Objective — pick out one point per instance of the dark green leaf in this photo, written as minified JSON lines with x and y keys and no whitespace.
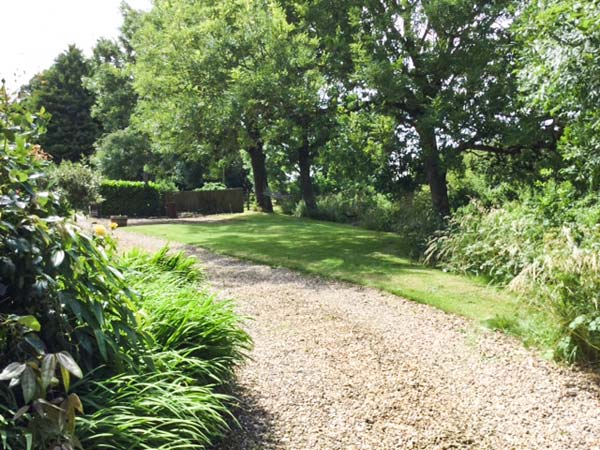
{"x":48,"y":369}
{"x":28,"y":384}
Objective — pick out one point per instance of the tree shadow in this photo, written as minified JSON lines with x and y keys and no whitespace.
{"x":254,"y":428}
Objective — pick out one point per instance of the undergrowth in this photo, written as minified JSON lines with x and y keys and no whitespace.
{"x":543,"y":246}
{"x":176,"y":399}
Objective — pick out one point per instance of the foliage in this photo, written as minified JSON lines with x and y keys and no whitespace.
{"x":495,"y":242}
{"x":542,"y":245}
{"x":565,"y":280}
{"x":212,"y":186}
{"x":110,"y":81}
{"x":154,"y":349}
{"x":123,"y":154}
{"x":71,"y":130}
{"x":131,"y":198}
{"x":196,"y":343}
{"x":165,"y":410}
{"x":441,"y":70}
{"x":78,"y":183}
{"x":226,"y":82}
{"x":559,"y":42}
{"x":182,"y":320}
{"x":59,"y":296}
{"x":48,"y":413}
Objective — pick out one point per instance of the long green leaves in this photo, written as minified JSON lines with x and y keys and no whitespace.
{"x":164,"y":411}
{"x":174,"y":402}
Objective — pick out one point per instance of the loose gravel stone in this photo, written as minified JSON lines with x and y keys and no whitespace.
{"x":337,"y":366}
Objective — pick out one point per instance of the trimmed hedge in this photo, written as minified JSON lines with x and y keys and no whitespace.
{"x":131,"y":198}
{"x":208,"y":202}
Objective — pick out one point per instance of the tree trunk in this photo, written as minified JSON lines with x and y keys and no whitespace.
{"x":436,"y":174}
{"x":306,"y":186}
{"x":261,"y":185}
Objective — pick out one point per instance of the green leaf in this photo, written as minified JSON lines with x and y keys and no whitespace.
{"x":28,"y":384}
{"x":67,"y":361}
{"x":30,"y":322}
{"x":13,"y":370}
{"x":48,"y":369}
{"x":65,"y":377}
{"x":101,"y":343}
{"x":35,"y":342}
{"x":57,"y":258}
{"x":22,"y":410}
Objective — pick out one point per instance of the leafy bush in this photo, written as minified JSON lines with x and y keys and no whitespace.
{"x":131,"y":198}
{"x":211,"y":186}
{"x":78,"y":182}
{"x":61,"y":300}
{"x":412,"y":216}
{"x":122,"y":154}
{"x":288,"y":205}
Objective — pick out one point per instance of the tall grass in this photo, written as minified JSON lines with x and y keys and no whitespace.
{"x":176,"y":400}
{"x":164,"y":410}
{"x":496,"y":243}
{"x":565,"y":281}
{"x":544,"y":247}
{"x":188,"y":325}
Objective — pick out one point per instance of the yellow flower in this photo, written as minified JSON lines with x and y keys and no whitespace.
{"x":113,"y":226}
{"x":100,"y":230}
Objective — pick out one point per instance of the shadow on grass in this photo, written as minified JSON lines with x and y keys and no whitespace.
{"x":254,"y":429}
{"x":343,"y":252}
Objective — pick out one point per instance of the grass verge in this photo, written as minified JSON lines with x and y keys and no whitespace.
{"x":365,"y":257}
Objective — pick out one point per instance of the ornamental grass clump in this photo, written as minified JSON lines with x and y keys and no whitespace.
{"x":565,"y":281}
{"x":178,"y":399}
{"x":183,"y":319}
{"x":545,"y":247}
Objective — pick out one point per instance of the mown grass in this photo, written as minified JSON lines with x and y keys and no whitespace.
{"x":348,"y":253}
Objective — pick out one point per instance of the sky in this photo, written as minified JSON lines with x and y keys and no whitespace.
{"x":34,"y":32}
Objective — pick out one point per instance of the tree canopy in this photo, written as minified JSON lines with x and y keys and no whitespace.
{"x":72,"y":130}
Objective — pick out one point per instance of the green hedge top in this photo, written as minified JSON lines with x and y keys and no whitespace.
{"x":131,"y":198}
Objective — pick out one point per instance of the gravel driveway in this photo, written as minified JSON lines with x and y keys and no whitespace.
{"x":336,"y":366}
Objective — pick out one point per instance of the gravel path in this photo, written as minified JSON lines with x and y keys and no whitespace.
{"x":336,"y":366}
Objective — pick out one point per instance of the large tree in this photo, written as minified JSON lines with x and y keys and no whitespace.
{"x":123,"y":151}
{"x":71,"y":130}
{"x":216,"y":77}
{"x":443,"y":70}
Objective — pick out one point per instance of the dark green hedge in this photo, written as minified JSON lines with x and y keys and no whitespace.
{"x":131,"y":198}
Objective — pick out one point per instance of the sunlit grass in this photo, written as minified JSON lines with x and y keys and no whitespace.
{"x":342,"y":252}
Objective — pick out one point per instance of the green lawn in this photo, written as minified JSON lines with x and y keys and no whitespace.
{"x":347,"y":253}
